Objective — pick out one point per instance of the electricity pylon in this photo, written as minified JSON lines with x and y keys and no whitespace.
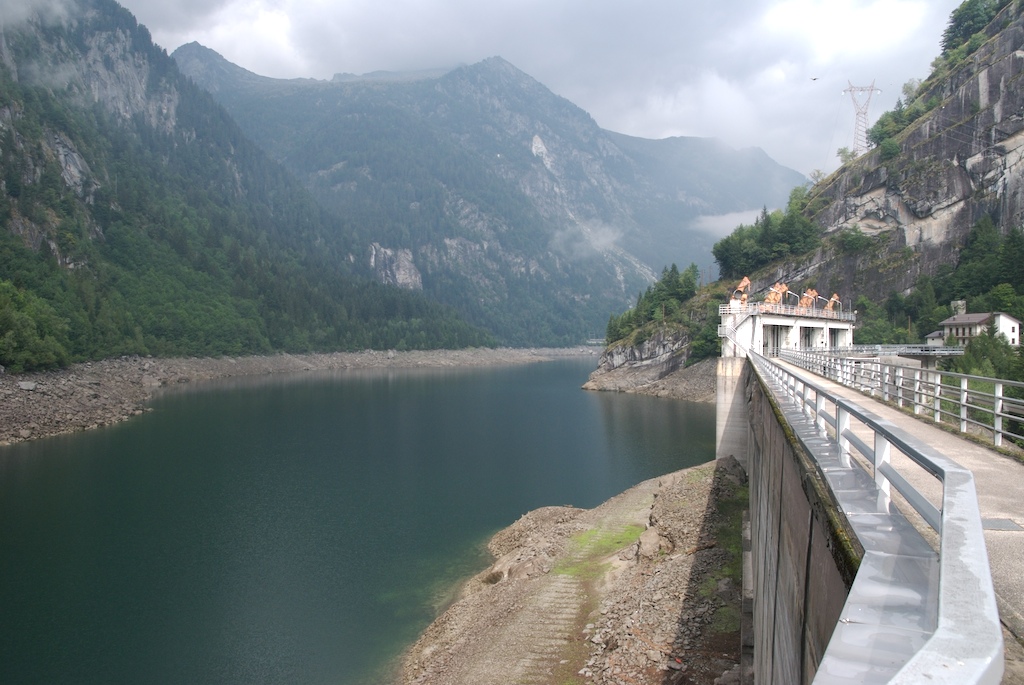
{"x":860,"y":123}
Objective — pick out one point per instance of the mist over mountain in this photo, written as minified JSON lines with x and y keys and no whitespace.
{"x":490,"y":192}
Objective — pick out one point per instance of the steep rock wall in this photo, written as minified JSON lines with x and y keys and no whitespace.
{"x":957,"y":163}
{"x":626,"y":367}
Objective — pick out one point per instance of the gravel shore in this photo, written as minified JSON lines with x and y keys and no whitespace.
{"x":642,"y":589}
{"x":93,"y":394}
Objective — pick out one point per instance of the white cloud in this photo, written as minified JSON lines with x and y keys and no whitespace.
{"x":835,"y":29}
{"x":721,"y":225}
{"x":741,"y":71}
{"x":15,"y":11}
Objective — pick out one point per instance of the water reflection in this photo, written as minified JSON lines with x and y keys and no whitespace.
{"x":297,"y":529}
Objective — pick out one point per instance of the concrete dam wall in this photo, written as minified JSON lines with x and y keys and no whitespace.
{"x":804,"y":557}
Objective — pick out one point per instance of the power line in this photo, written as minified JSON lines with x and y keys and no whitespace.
{"x":860,"y":124}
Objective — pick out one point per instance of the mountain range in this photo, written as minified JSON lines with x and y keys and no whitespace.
{"x":185,"y":206}
{"x":487,"y":188}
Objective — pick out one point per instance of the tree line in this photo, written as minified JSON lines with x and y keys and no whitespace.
{"x":772,"y":236}
{"x":669,"y":303}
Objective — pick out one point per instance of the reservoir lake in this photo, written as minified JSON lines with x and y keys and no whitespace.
{"x":299,"y":529}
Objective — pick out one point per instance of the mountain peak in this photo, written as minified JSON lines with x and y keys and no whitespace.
{"x":501,"y":68}
{"x":213,"y":70}
{"x":209,"y":66}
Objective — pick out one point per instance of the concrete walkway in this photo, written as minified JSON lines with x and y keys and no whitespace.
{"x":999,"y":481}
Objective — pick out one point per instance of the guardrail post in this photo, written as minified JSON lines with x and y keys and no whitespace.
{"x":819,"y":408}
{"x":899,"y":386}
{"x":843,"y":425}
{"x":916,"y":392}
{"x":882,"y":456}
{"x":997,"y":415}
{"x":963,"y":405}
{"x":937,"y":397}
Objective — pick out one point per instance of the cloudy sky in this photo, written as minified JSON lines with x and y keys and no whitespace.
{"x":766,"y":73}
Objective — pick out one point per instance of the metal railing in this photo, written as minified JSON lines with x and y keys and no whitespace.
{"x":966,"y":645}
{"x":736,"y":307}
{"x":974,"y":404}
{"x":897,"y":350}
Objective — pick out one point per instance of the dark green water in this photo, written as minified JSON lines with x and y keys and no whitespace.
{"x":299,"y":530}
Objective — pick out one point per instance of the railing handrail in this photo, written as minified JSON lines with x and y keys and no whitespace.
{"x":897,"y":350}
{"x":966,"y":646}
{"x":926,"y":391}
{"x":736,"y":307}
{"x":954,"y":374}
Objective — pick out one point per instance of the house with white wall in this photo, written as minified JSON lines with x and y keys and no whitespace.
{"x":963,"y":327}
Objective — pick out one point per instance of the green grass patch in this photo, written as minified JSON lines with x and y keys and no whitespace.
{"x":594,"y":545}
{"x":586,"y":569}
{"x":726,"y":620}
{"x":604,"y":542}
{"x":698,"y":474}
{"x":708,"y":586}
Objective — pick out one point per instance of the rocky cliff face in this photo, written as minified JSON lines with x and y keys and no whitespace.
{"x":629,"y":367}
{"x":395,"y":267}
{"x":957,"y":163}
{"x":95,"y":59}
{"x":107,"y":66}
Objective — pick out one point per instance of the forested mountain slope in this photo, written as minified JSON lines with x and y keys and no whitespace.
{"x":135,"y":217}
{"x":491,"y":193}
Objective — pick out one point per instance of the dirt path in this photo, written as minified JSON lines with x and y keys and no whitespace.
{"x":642,"y":589}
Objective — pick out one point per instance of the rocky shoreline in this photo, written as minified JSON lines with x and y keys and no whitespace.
{"x":696,"y":383}
{"x":645,"y":588}
{"x":93,"y":394}
{"x":101,"y":393}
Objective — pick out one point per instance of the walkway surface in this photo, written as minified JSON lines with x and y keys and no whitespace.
{"x":999,"y":481}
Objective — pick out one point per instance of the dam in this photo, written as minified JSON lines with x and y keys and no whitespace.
{"x":868,"y":555}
